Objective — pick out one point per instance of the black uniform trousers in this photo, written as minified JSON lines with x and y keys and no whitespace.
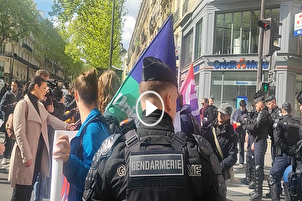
{"x":250,"y":160}
{"x":241,"y":140}
{"x":259,"y":152}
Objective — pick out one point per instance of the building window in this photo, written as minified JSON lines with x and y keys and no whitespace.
{"x":198,"y":39}
{"x":187,"y":48}
{"x":3,"y":49}
{"x":237,"y":33}
{"x":219,"y":33}
{"x":227,"y":86}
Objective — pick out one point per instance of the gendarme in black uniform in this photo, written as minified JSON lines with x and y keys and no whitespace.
{"x":201,"y":178}
{"x":260,"y":128}
{"x":275,"y":114}
{"x":286,"y":135}
{"x":154,"y":163}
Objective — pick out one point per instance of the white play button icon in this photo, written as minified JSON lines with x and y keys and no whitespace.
{"x":150,"y":108}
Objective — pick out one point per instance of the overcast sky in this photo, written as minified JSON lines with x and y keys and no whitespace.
{"x":131,"y":6}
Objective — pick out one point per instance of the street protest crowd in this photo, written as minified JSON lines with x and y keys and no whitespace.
{"x":117,"y":158}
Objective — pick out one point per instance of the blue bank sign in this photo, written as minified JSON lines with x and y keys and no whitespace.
{"x":241,"y":64}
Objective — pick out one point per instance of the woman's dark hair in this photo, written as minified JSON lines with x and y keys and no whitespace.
{"x":242,"y":103}
{"x":30,"y":85}
{"x":87,"y":86}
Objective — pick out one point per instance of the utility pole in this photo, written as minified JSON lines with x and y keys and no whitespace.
{"x":260,"y":46}
{"x":111,"y":40}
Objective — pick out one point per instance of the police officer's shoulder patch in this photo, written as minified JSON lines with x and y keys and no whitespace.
{"x":105,"y":149}
{"x":121,"y":170}
{"x":203,"y":145}
{"x":275,"y":124}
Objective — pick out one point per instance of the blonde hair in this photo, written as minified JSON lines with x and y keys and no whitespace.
{"x":108,"y":85}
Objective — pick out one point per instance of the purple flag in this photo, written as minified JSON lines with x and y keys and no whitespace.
{"x":162,"y":47}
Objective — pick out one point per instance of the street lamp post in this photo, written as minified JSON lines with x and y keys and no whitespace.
{"x":111,"y":39}
{"x":12,"y":66}
{"x":27,"y":74}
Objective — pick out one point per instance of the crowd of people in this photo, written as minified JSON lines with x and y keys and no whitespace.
{"x":110,"y":160}
{"x":41,"y":106}
{"x":265,"y":120}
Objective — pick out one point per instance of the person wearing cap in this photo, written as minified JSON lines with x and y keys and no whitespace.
{"x":140,"y":165}
{"x":223,"y":139}
{"x":275,"y":114}
{"x":286,"y":135}
{"x":237,"y":119}
{"x":260,"y":128}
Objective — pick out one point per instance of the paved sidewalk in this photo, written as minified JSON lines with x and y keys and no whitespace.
{"x":240,"y":192}
{"x":5,"y":188}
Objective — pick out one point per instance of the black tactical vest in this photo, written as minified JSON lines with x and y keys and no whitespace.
{"x":156,"y":166}
{"x":292,"y":127}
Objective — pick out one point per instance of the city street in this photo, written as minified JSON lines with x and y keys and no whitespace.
{"x":235,"y":191}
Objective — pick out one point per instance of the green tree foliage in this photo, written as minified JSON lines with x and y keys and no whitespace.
{"x":86,"y":26}
{"x":17,"y":19}
{"x":49,"y":46}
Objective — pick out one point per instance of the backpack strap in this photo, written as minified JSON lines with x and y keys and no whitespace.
{"x":217,"y":143}
{"x":132,"y":140}
{"x":179,"y":140}
{"x":97,"y":118}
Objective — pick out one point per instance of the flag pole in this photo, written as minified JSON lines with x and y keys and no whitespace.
{"x":111,"y":39}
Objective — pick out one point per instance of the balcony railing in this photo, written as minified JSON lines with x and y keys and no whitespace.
{"x":26,"y":63}
{"x":21,"y":60}
{"x":24,"y":45}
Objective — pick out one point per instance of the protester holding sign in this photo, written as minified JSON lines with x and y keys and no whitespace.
{"x":77,"y":155}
